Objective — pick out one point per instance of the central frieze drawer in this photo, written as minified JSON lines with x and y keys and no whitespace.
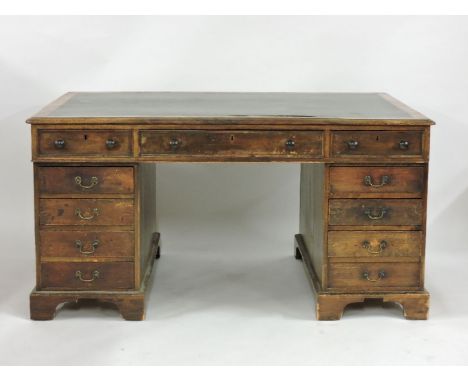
{"x":376,"y":212}
{"x":303,"y":144}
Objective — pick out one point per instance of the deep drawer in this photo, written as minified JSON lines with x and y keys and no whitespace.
{"x":380,"y":244}
{"x":303,"y":144}
{"x":110,"y":143}
{"x":373,"y":276}
{"x":376,"y":212}
{"x":376,"y":143}
{"x":87,"y":276}
{"x":86,"y":244}
{"x":370,"y":180}
{"x":86,"y":212}
{"x":85,"y":180}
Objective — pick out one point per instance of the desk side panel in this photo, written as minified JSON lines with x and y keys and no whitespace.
{"x":312,"y":220}
{"x":148,"y":220}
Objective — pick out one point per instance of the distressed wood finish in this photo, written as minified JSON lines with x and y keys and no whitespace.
{"x":85,"y":143}
{"x":93,"y":275}
{"x":374,"y":244}
{"x":89,"y":245}
{"x":94,"y":212}
{"x":86,"y":180}
{"x":298,"y":144}
{"x":363,"y":190}
{"x":375,"y":181}
{"x":377,"y":143}
{"x":373,"y":276}
{"x":376,"y":212}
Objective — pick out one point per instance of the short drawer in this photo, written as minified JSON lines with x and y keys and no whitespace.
{"x":376,"y":212}
{"x":111,"y":143}
{"x":87,"y":276}
{"x":86,"y":244}
{"x":369,"y":181}
{"x":376,"y":143}
{"x":85,"y":180}
{"x":303,"y":144}
{"x":379,"y":244}
{"x":86,"y":212}
{"x":373,"y":276}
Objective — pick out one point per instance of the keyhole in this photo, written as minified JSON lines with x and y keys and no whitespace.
{"x":232,"y":138}
{"x":85,"y":137}
{"x":377,"y":138}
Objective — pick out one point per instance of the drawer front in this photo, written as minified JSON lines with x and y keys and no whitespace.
{"x":304,"y":144}
{"x":373,"y":276}
{"x":380,"y":244}
{"x":92,"y":212}
{"x":376,"y":212}
{"x":85,"y":180}
{"x":109,"y":143}
{"x":86,"y":244}
{"x":87,"y":276}
{"x":376,"y":143}
{"x":351,"y":181}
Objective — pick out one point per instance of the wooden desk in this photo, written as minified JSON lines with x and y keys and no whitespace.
{"x":364,"y":165}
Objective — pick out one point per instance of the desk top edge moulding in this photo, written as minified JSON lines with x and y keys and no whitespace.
{"x":363,"y":195}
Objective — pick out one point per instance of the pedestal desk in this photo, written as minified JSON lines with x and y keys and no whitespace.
{"x":364,"y":169}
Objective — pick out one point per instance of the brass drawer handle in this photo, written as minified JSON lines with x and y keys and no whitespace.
{"x":94,"y":213}
{"x":290,"y":144}
{"x":111,"y":143}
{"x":93,"y":181}
{"x":79,"y":276}
{"x":94,"y":245}
{"x":367,"y":245}
{"x":375,"y":213}
{"x":59,"y":143}
{"x":381,"y":275}
{"x":174,"y":143}
{"x":368,"y":181}
{"x":404,"y":145}
{"x":352,"y":145}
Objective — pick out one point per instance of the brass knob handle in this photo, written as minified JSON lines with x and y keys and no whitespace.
{"x":59,"y":143}
{"x":352,"y":145}
{"x":367,"y":245}
{"x":94,"y":213}
{"x":93,"y":181}
{"x":79,"y":275}
{"x":381,"y":275}
{"x":404,"y":145}
{"x":290,"y":144}
{"x":375,"y":213}
{"x":368,"y":181}
{"x":174,"y":143}
{"x":111,"y":143}
{"x":94,"y":245}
